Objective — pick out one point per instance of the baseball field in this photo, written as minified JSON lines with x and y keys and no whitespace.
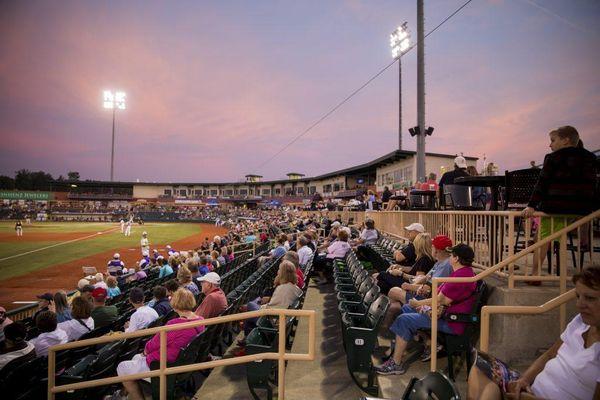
{"x":50,"y":255}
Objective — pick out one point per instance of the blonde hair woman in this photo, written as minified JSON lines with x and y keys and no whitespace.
{"x":183,"y":302}
{"x":395,"y":277}
{"x":424,"y":261}
{"x":184,"y":276}
{"x":423,"y":246}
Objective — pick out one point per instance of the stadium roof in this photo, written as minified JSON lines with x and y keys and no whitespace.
{"x":365,"y":168}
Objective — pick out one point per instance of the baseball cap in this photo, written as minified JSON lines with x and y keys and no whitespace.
{"x":2,"y":309}
{"x":46,"y":296}
{"x":415,"y":226}
{"x":335,"y":223}
{"x":144,"y":233}
{"x":441,"y":242}
{"x":460,"y":162}
{"x":82,"y":282}
{"x":116,"y":255}
{"x":99,"y":293}
{"x":464,"y":252}
{"x":211,"y":277}
{"x":136,"y":295}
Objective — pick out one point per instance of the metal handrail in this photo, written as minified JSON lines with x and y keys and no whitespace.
{"x":281,"y":356}
{"x":562,"y":234}
{"x":486,"y":311}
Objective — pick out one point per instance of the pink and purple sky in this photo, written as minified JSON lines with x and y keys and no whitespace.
{"x":216,"y":88}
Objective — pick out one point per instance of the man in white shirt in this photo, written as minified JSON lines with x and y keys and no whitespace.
{"x":304,"y":252}
{"x":128,"y":226}
{"x":50,"y":334}
{"x":145,"y":244}
{"x":143,"y":315}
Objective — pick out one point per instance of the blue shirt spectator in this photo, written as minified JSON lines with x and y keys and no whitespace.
{"x":165,"y":270}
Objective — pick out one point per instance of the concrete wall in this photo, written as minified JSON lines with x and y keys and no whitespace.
{"x":407,"y":169}
{"x":341,"y":180}
{"x":519,"y":339}
{"x":149,"y":192}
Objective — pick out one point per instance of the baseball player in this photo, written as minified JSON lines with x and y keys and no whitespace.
{"x":19,"y":228}
{"x":115,"y":266}
{"x":145,"y":244}
{"x":128,"y":226}
{"x":122,"y":222}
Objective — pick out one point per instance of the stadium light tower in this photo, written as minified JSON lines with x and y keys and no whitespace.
{"x":113,"y":101}
{"x":400,"y":43}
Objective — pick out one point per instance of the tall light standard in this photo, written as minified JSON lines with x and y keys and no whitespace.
{"x":400,"y":43}
{"x":113,"y":101}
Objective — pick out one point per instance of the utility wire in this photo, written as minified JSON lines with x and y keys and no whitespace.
{"x":356,"y":91}
{"x":567,"y":21}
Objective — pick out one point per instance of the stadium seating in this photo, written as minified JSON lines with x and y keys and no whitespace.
{"x":381,"y":253}
{"x":463,"y":344}
{"x":362,"y":310}
{"x":265,"y":338}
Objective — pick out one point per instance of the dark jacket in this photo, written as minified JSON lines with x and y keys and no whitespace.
{"x":567,"y":183}
{"x":162,"y":307}
{"x":448,"y":179}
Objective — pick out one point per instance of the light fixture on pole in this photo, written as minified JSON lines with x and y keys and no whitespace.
{"x":113,"y":101}
{"x":400,"y":43}
{"x":416,"y":131}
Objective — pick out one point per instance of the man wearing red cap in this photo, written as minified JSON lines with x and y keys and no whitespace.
{"x":420,"y":286}
{"x":102,"y":314}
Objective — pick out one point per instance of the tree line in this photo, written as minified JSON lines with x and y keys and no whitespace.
{"x":25,"y":179}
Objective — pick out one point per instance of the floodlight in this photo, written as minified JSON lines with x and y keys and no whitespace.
{"x":429,"y":131}
{"x":400,"y":40}
{"x":114,"y":100}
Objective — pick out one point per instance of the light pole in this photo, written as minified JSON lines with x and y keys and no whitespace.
{"x":113,"y":101}
{"x":421,"y":90}
{"x":400,"y":43}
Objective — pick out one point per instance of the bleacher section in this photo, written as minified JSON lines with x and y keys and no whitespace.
{"x":241,"y":280}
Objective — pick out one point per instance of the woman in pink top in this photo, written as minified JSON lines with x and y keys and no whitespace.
{"x":457,"y":297}
{"x":183,"y":302}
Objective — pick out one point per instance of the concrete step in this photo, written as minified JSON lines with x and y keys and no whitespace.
{"x":326,"y":377}
{"x":393,"y":386}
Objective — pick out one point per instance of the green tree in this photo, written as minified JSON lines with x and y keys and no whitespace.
{"x":73,"y":175}
{"x":28,"y":180}
{"x":6,"y":182}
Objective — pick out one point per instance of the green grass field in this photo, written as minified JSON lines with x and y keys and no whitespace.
{"x":158,"y":233}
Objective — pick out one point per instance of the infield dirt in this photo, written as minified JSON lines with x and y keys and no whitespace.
{"x":65,"y":276}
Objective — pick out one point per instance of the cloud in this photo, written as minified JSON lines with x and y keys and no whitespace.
{"x":216,"y":89}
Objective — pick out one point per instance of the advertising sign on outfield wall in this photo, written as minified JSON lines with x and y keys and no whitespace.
{"x":25,"y":195}
{"x":188,"y":201}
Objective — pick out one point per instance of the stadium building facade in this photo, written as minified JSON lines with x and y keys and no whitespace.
{"x":395,"y":170}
